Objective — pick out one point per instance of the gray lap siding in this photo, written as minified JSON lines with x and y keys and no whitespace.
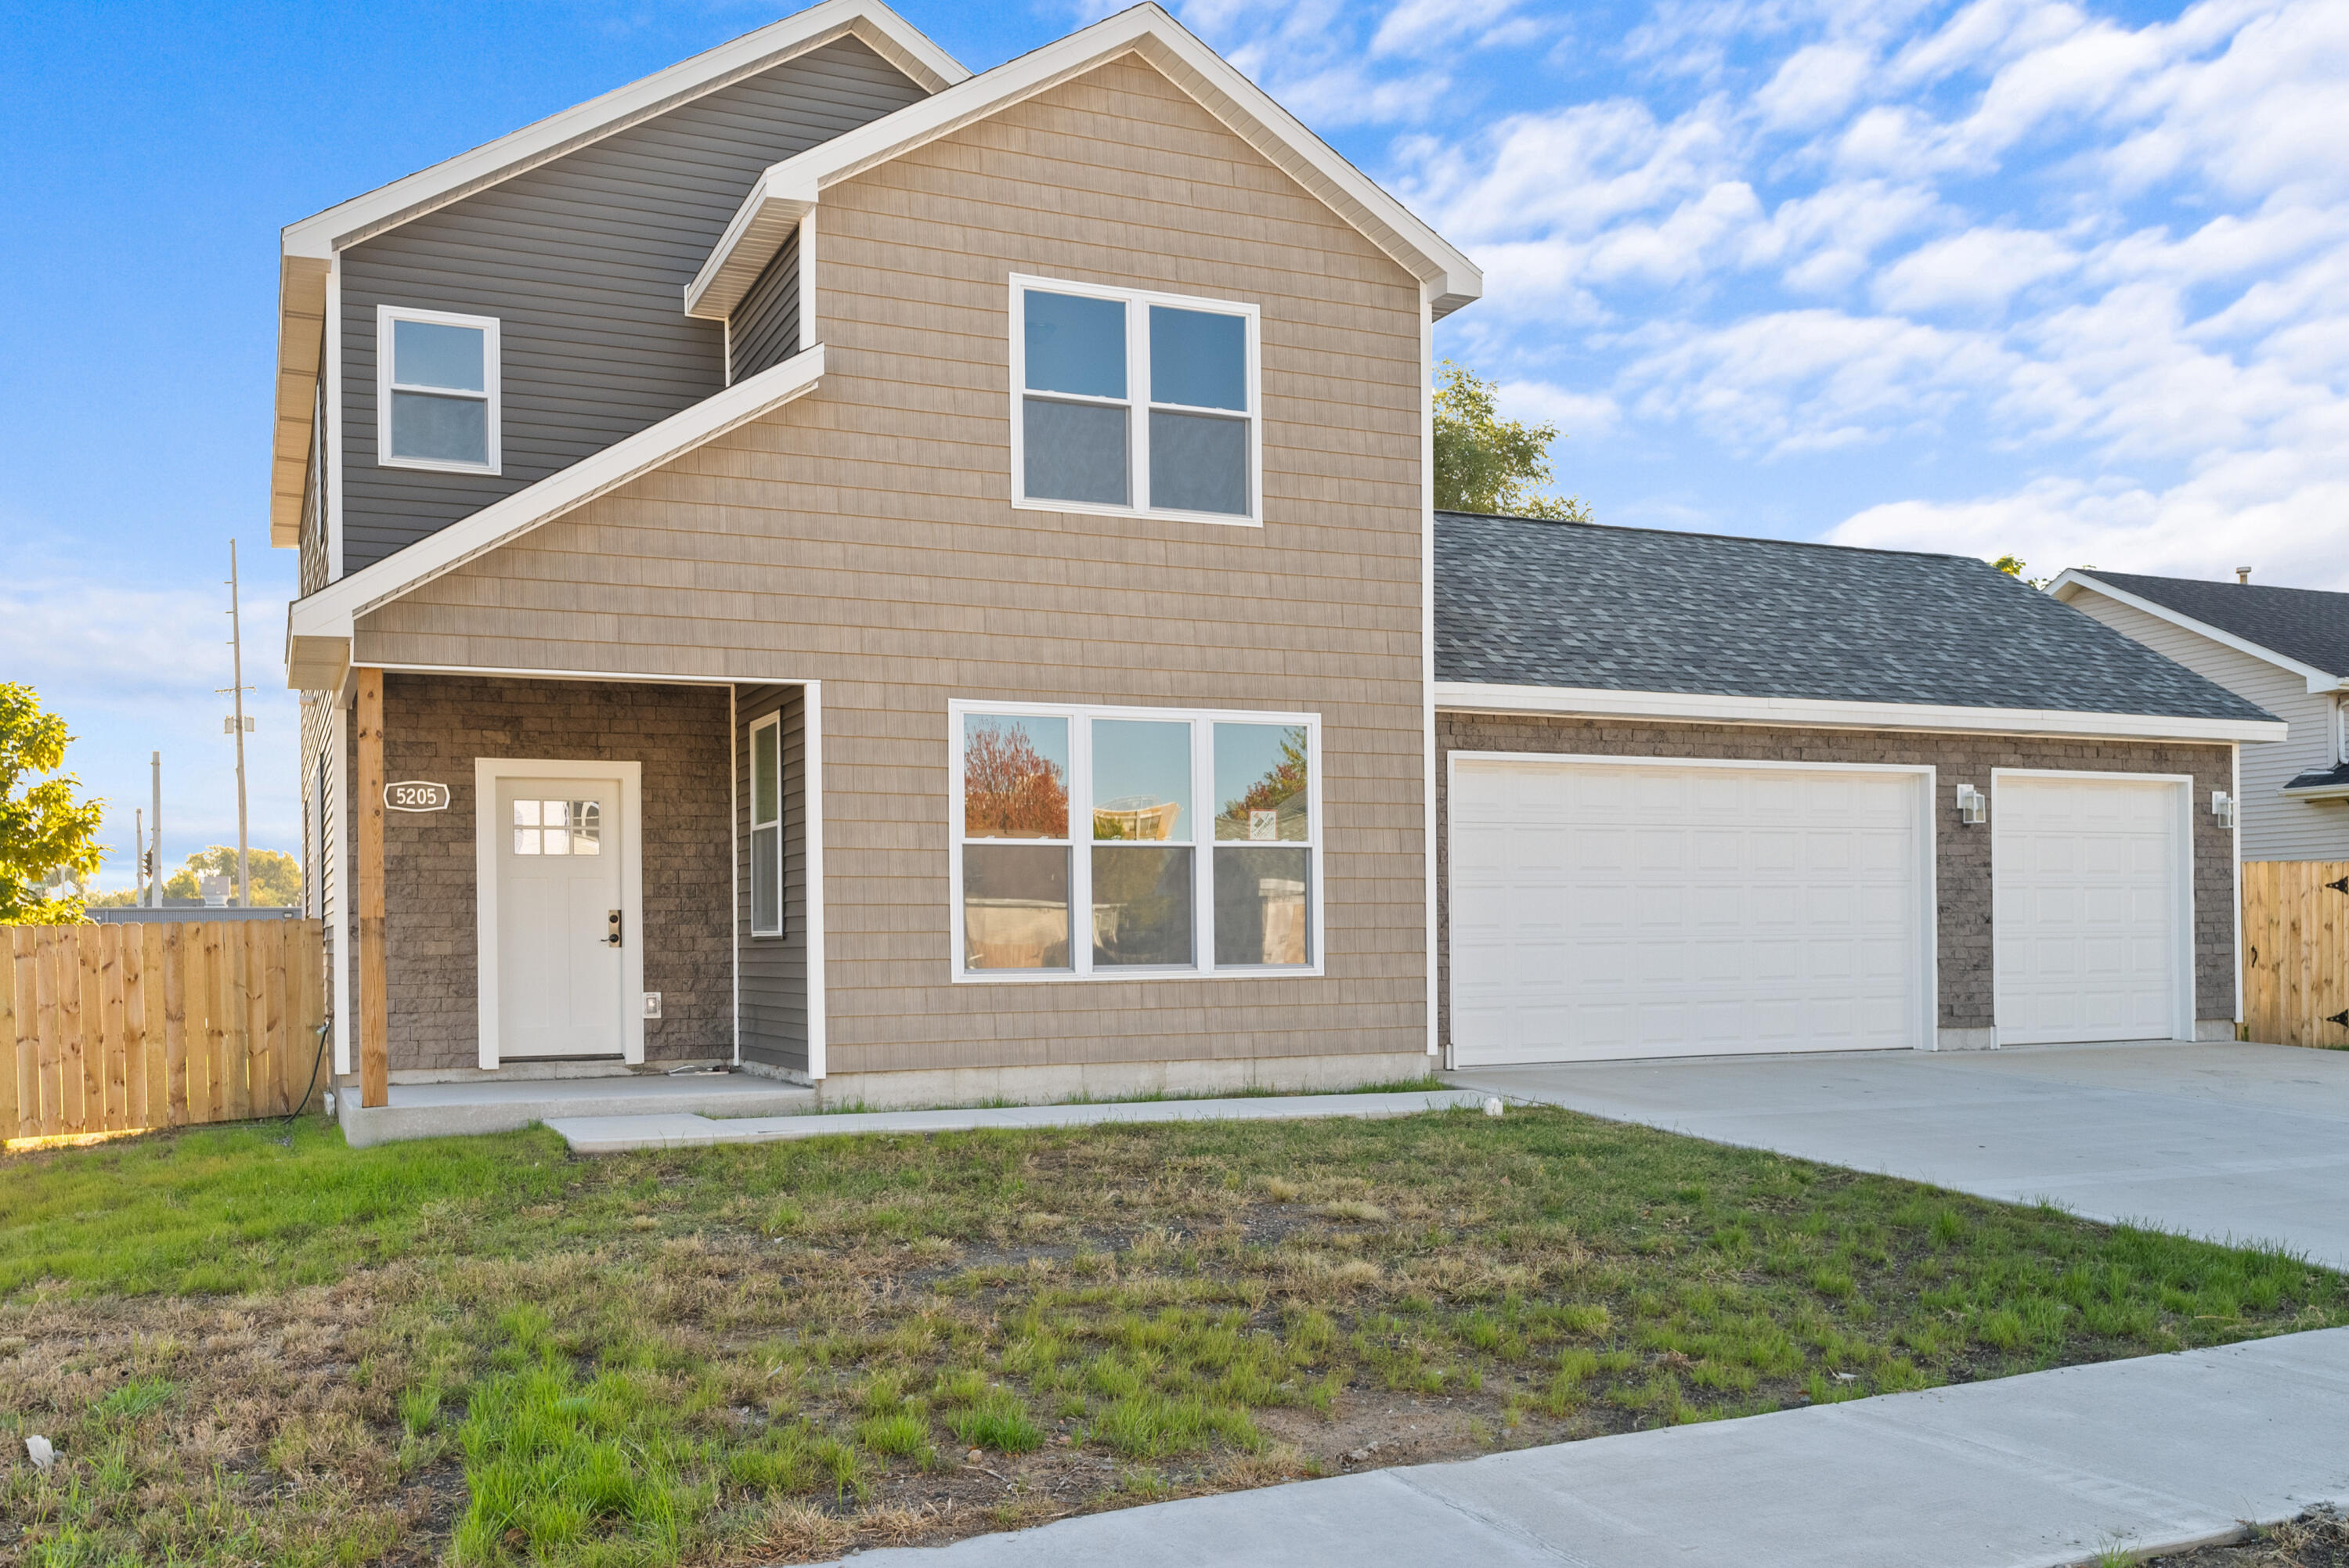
{"x":1963,"y":854}
{"x":435,"y":726}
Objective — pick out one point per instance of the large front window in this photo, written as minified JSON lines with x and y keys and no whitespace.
{"x":1125,"y":401}
{"x":1124,"y":841}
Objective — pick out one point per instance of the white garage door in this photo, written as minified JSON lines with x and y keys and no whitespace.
{"x":1611,"y":909}
{"x":2090,"y":904}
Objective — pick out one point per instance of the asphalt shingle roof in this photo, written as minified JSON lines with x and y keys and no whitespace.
{"x":2305,"y":624}
{"x":1526,"y":603}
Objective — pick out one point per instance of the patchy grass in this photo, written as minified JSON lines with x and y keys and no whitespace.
{"x":482,"y":1351}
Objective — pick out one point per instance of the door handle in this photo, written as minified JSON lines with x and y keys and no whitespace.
{"x":611,"y":928}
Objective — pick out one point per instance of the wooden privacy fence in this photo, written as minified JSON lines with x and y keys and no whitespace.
{"x":108,"y":1028}
{"x":2296,"y":952}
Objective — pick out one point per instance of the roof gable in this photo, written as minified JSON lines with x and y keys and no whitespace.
{"x":1533,"y":604}
{"x":2304,"y":630}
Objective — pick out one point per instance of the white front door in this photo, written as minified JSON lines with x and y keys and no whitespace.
{"x":2089,"y":905}
{"x":562,"y":932}
{"x":1624,"y":909}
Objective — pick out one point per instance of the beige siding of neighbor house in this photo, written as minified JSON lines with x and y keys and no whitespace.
{"x":2276,"y":827}
{"x":863,"y":535}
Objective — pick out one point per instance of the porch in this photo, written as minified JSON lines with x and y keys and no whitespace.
{"x":447,"y":1109}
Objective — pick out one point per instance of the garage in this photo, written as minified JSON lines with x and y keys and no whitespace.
{"x":1606,"y":907}
{"x":2093,"y":907}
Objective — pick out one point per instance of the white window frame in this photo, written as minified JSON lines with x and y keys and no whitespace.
{"x":774,"y":721}
{"x":1203,"y":844}
{"x":385,"y":316}
{"x":1136,"y":402}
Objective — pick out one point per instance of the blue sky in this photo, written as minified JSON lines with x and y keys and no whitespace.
{"x":2066,"y":280}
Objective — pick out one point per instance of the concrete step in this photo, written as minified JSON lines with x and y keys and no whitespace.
{"x":446,"y":1109}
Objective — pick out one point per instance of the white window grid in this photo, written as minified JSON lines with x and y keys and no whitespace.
{"x":1080,"y":843}
{"x":384,"y":386}
{"x":1137,"y":401}
{"x":774,"y":721}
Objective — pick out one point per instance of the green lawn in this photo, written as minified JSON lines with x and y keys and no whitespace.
{"x":485,"y":1351}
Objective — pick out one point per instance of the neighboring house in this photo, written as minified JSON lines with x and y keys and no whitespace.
{"x":925,"y":583}
{"x":909,"y":579}
{"x":2286,"y":649}
{"x":1703,"y":795}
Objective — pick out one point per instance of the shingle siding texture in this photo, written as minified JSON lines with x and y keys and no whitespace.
{"x":435,"y":726}
{"x":1523,"y":602}
{"x":1962,"y":852}
{"x":584,"y":262}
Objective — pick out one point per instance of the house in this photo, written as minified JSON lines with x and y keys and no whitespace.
{"x":2286,"y":649}
{"x":1702,"y":795}
{"x":910,"y":580}
{"x":923,"y":583}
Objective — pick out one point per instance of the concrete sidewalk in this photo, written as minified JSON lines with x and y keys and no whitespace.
{"x":619,"y":1134}
{"x":2046,"y":1469}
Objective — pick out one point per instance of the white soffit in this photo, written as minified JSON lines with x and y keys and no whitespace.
{"x":2074,"y":581}
{"x":333,"y":610}
{"x":758,"y":229}
{"x":1475,"y":696}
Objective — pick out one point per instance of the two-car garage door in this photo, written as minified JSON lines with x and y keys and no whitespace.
{"x":1625,"y":909}
{"x":1604,"y":908}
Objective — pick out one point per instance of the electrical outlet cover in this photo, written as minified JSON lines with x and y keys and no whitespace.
{"x":652,"y":1003}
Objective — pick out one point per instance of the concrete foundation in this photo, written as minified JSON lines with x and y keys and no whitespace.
{"x":1115,"y":1080}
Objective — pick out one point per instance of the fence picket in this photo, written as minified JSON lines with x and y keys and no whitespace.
{"x":157,"y":1110}
{"x":25,"y":1053}
{"x":8,"y":1049}
{"x":2296,"y":963}
{"x":204,"y":1103}
{"x":175,"y":1025}
{"x":113,"y":1025}
{"x":131,"y":968}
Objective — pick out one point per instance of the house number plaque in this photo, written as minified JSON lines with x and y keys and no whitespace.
{"x":416,"y":795}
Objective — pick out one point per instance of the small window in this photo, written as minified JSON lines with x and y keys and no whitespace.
{"x":1125,"y":401}
{"x":767,"y":827}
{"x":1166,"y":884}
{"x":436,"y":398}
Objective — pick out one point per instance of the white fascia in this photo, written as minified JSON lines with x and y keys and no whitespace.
{"x":2074,"y":582}
{"x":758,"y":228}
{"x":333,"y":610}
{"x":1686,"y":708}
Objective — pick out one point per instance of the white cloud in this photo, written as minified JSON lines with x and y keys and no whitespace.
{"x":1977,"y":271}
{"x":1816,"y":84}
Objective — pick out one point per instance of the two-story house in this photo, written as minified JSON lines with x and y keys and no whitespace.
{"x":927,"y":583}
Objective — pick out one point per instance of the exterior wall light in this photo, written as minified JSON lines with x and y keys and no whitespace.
{"x":2222,"y":807}
{"x":1974,"y":806}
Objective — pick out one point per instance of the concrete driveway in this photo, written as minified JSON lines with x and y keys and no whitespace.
{"x":2233,"y":1143}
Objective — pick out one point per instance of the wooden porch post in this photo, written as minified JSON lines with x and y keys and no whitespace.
{"x":375,"y":1046}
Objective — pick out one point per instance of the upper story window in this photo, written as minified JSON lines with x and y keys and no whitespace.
{"x":1135,"y":403}
{"x":1130,"y":842}
{"x":437,"y":391}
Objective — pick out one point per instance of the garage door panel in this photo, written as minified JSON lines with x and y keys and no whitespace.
{"x":2088,"y":907}
{"x":1700,"y":911}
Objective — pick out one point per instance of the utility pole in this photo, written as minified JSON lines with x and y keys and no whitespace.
{"x":155,"y":882}
{"x":237,"y":724}
{"x":138,"y":855}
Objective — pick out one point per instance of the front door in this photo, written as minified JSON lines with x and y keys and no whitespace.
{"x":561,"y":932}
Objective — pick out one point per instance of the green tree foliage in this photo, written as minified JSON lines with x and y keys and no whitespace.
{"x":1484,"y":463}
{"x":276,"y":876}
{"x":2014,"y":566}
{"x":43,"y":829}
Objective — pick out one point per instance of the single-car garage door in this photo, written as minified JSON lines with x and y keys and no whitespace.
{"x":1609,"y":908}
{"x":2091,"y":906}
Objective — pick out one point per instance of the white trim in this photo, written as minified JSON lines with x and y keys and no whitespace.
{"x":333,"y":352}
{"x":487,"y":771}
{"x":637,"y":676}
{"x":2182,"y":1000}
{"x":338,"y":865}
{"x":1450,"y":278}
{"x":812,"y":749}
{"x":1203,"y":843}
{"x":901,"y":44}
{"x":1928,"y":1019}
{"x":1427,"y":660}
{"x":1137,"y":403}
{"x":2073,"y":580}
{"x":1827,"y":713}
{"x":734,"y":858}
{"x":331,"y":611}
{"x":387,"y":382}
{"x":2235,"y":867}
{"x":774,"y":721}
{"x":809,"y":331}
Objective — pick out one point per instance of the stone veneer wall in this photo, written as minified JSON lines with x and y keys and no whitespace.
{"x":435,"y":726}
{"x":1963,"y":854}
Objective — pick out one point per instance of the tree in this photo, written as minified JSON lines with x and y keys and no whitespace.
{"x":1484,"y":463}
{"x":43,"y":830}
{"x":2014,"y":566}
{"x":1010,"y":790}
{"x":276,"y":877}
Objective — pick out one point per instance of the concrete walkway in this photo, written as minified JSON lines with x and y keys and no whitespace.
{"x":501,"y":1105}
{"x":2239,"y":1142}
{"x":2049,"y":1469}
{"x":618,"y":1134}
